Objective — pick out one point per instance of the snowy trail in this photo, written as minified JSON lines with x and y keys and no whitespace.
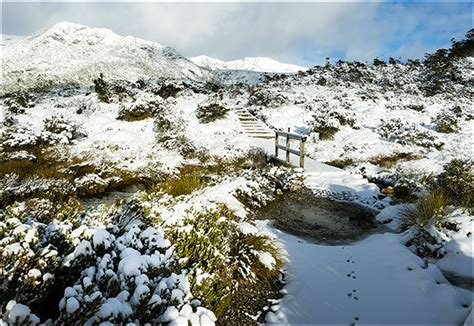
{"x":377,"y":280}
{"x":374,"y":281}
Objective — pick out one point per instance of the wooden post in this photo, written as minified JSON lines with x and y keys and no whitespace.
{"x":288,"y":147}
{"x":276,"y":144}
{"x":301,"y":153}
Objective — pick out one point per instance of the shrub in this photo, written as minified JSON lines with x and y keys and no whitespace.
{"x":457,"y":182}
{"x":18,"y":101}
{"x":267,"y":96}
{"x":63,"y":130}
{"x":407,"y":133}
{"x":143,"y":107}
{"x":210,"y":111}
{"x":446,"y":122}
{"x":102,"y":89}
{"x":430,"y":210}
{"x":243,"y":259}
{"x":327,"y":120}
{"x":387,"y":161}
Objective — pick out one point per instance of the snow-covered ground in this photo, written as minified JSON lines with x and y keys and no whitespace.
{"x":374,"y":281}
{"x":381,"y":112}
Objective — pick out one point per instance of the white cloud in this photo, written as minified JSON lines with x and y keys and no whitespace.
{"x":303,"y":33}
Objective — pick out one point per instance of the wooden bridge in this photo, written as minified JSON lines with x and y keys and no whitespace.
{"x":255,"y":128}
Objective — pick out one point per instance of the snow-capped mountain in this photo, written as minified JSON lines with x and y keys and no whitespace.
{"x":259,"y":64}
{"x":71,"y":53}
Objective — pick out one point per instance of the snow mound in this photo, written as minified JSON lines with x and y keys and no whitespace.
{"x":259,"y":64}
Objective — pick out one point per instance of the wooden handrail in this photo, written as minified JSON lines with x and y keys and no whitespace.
{"x":288,"y":135}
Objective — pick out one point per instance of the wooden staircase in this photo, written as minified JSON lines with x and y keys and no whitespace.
{"x":252,"y":126}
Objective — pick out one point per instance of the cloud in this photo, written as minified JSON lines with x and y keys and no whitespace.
{"x":303,"y":33}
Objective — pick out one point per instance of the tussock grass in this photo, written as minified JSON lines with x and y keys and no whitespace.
{"x":341,"y":163}
{"x":184,"y":184}
{"x":430,"y":210}
{"x":388,"y":161}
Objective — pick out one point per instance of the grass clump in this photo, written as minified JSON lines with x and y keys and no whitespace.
{"x":430,"y":210}
{"x":388,"y":161}
{"x":341,"y":163}
{"x":184,"y":184}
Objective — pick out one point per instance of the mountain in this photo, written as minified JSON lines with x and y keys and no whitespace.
{"x":75,"y":54}
{"x":259,"y":64}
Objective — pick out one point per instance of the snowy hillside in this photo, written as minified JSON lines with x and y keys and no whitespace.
{"x":139,"y":189}
{"x":75,"y":54}
{"x":258,"y":64}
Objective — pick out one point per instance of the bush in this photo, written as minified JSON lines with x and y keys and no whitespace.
{"x":430,"y":210}
{"x":102,"y":89}
{"x":144,"y":107}
{"x":210,"y":111}
{"x":327,"y":120}
{"x":231,"y":264}
{"x":63,"y":130}
{"x":457,"y":182}
{"x":446,"y":122}
{"x":407,"y":133}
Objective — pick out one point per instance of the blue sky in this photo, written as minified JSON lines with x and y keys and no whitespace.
{"x":301,"y":33}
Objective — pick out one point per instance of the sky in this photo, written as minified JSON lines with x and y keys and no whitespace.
{"x":302,"y":33}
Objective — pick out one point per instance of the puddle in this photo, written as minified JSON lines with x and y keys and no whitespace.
{"x":320,"y":219}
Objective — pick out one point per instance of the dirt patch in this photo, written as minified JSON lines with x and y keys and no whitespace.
{"x":321,"y":219}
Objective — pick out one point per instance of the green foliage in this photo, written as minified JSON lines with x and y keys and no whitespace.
{"x":101,"y":87}
{"x":457,"y":182}
{"x":230,"y":264}
{"x":430,"y":210}
{"x":446,"y":122}
{"x":210,"y":111}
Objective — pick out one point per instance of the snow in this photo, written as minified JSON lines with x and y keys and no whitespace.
{"x":132,"y":265}
{"x":259,"y":64}
{"x":71,"y":53}
{"x":267,"y":260}
{"x":374,"y":281}
{"x":458,"y":260}
{"x":72,"y":305}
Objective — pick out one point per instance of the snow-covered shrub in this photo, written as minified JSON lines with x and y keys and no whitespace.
{"x":221,"y":268}
{"x":61,"y":130}
{"x":145,"y":106}
{"x":85,"y":269}
{"x":407,"y":133}
{"x":18,"y":101}
{"x":13,"y":188}
{"x":457,"y":182}
{"x":327,"y":120}
{"x":211,"y":110}
{"x":446,"y":122}
{"x":16,"y":137}
{"x":267,"y":97}
{"x":90,"y":184}
{"x":169,"y":130}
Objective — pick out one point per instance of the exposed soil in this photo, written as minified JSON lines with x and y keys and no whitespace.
{"x":320,"y":219}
